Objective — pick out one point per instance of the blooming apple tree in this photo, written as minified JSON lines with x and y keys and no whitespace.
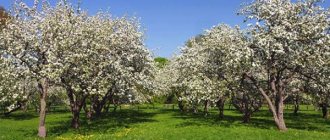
{"x":287,"y":37}
{"x":27,"y":43}
{"x":208,"y":64}
{"x":90,"y":56}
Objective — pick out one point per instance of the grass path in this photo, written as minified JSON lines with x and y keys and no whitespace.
{"x":161,"y":124}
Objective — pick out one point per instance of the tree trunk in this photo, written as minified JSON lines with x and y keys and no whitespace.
{"x":246,"y":110}
{"x":76,"y":105}
{"x":88,"y":113}
{"x":246,"y":117}
{"x":97,"y":113}
{"x":115,"y":108}
{"x":280,"y":112}
{"x":220,"y":105}
{"x":206,"y":109}
{"x":181,"y":106}
{"x":43,"y":87}
{"x":98,"y":105}
{"x":296,"y":107}
{"x":107,"y":107}
{"x":195,"y":108}
{"x":296,"y":100}
{"x":75,"y":110}
{"x":75,"y":120}
{"x":325,"y":112}
{"x":115,"y":105}
{"x":25,"y":107}
{"x":278,"y":108}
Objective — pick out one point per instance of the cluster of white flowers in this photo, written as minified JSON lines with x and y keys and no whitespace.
{"x":14,"y":87}
{"x":292,"y":42}
{"x":88,"y":54}
{"x":289,"y":42}
{"x":208,"y":67}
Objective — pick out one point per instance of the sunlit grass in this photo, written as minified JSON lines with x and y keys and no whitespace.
{"x":159,"y":123}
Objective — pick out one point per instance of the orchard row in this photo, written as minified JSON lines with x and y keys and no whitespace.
{"x":100,"y":60}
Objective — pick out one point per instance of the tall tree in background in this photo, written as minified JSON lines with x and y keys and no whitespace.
{"x":161,"y":62}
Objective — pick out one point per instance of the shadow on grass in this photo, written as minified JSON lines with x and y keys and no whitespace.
{"x":107,"y":123}
{"x":262,"y":119}
{"x":211,"y":119}
{"x":30,"y":114}
{"x":307,"y":121}
{"x":18,"y":116}
{"x":59,"y":123}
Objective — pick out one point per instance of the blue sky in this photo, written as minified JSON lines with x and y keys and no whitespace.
{"x":169,"y":23}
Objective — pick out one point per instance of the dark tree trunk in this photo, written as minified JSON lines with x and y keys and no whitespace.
{"x":296,"y":105}
{"x":107,"y":107}
{"x":115,"y":108}
{"x":75,"y":110}
{"x":115,"y":105}
{"x":221,"y":106}
{"x":43,"y":87}
{"x":247,"y":104}
{"x":277,"y":103}
{"x":246,"y":117}
{"x":77,"y":102}
{"x":325,"y":113}
{"x":98,"y":105}
{"x":75,"y":120}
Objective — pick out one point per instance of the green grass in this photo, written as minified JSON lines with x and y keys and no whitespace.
{"x":160,"y":123}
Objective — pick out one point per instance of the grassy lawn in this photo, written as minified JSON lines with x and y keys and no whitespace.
{"x":163,"y":123}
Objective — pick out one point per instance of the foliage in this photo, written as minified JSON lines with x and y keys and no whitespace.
{"x":161,"y":62}
{"x":62,"y":46}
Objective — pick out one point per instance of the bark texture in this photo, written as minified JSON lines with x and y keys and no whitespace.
{"x":277,"y":87}
{"x":221,"y":106}
{"x":296,"y":105}
{"x":43,"y":87}
{"x":206,"y":107}
{"x":325,"y":112}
